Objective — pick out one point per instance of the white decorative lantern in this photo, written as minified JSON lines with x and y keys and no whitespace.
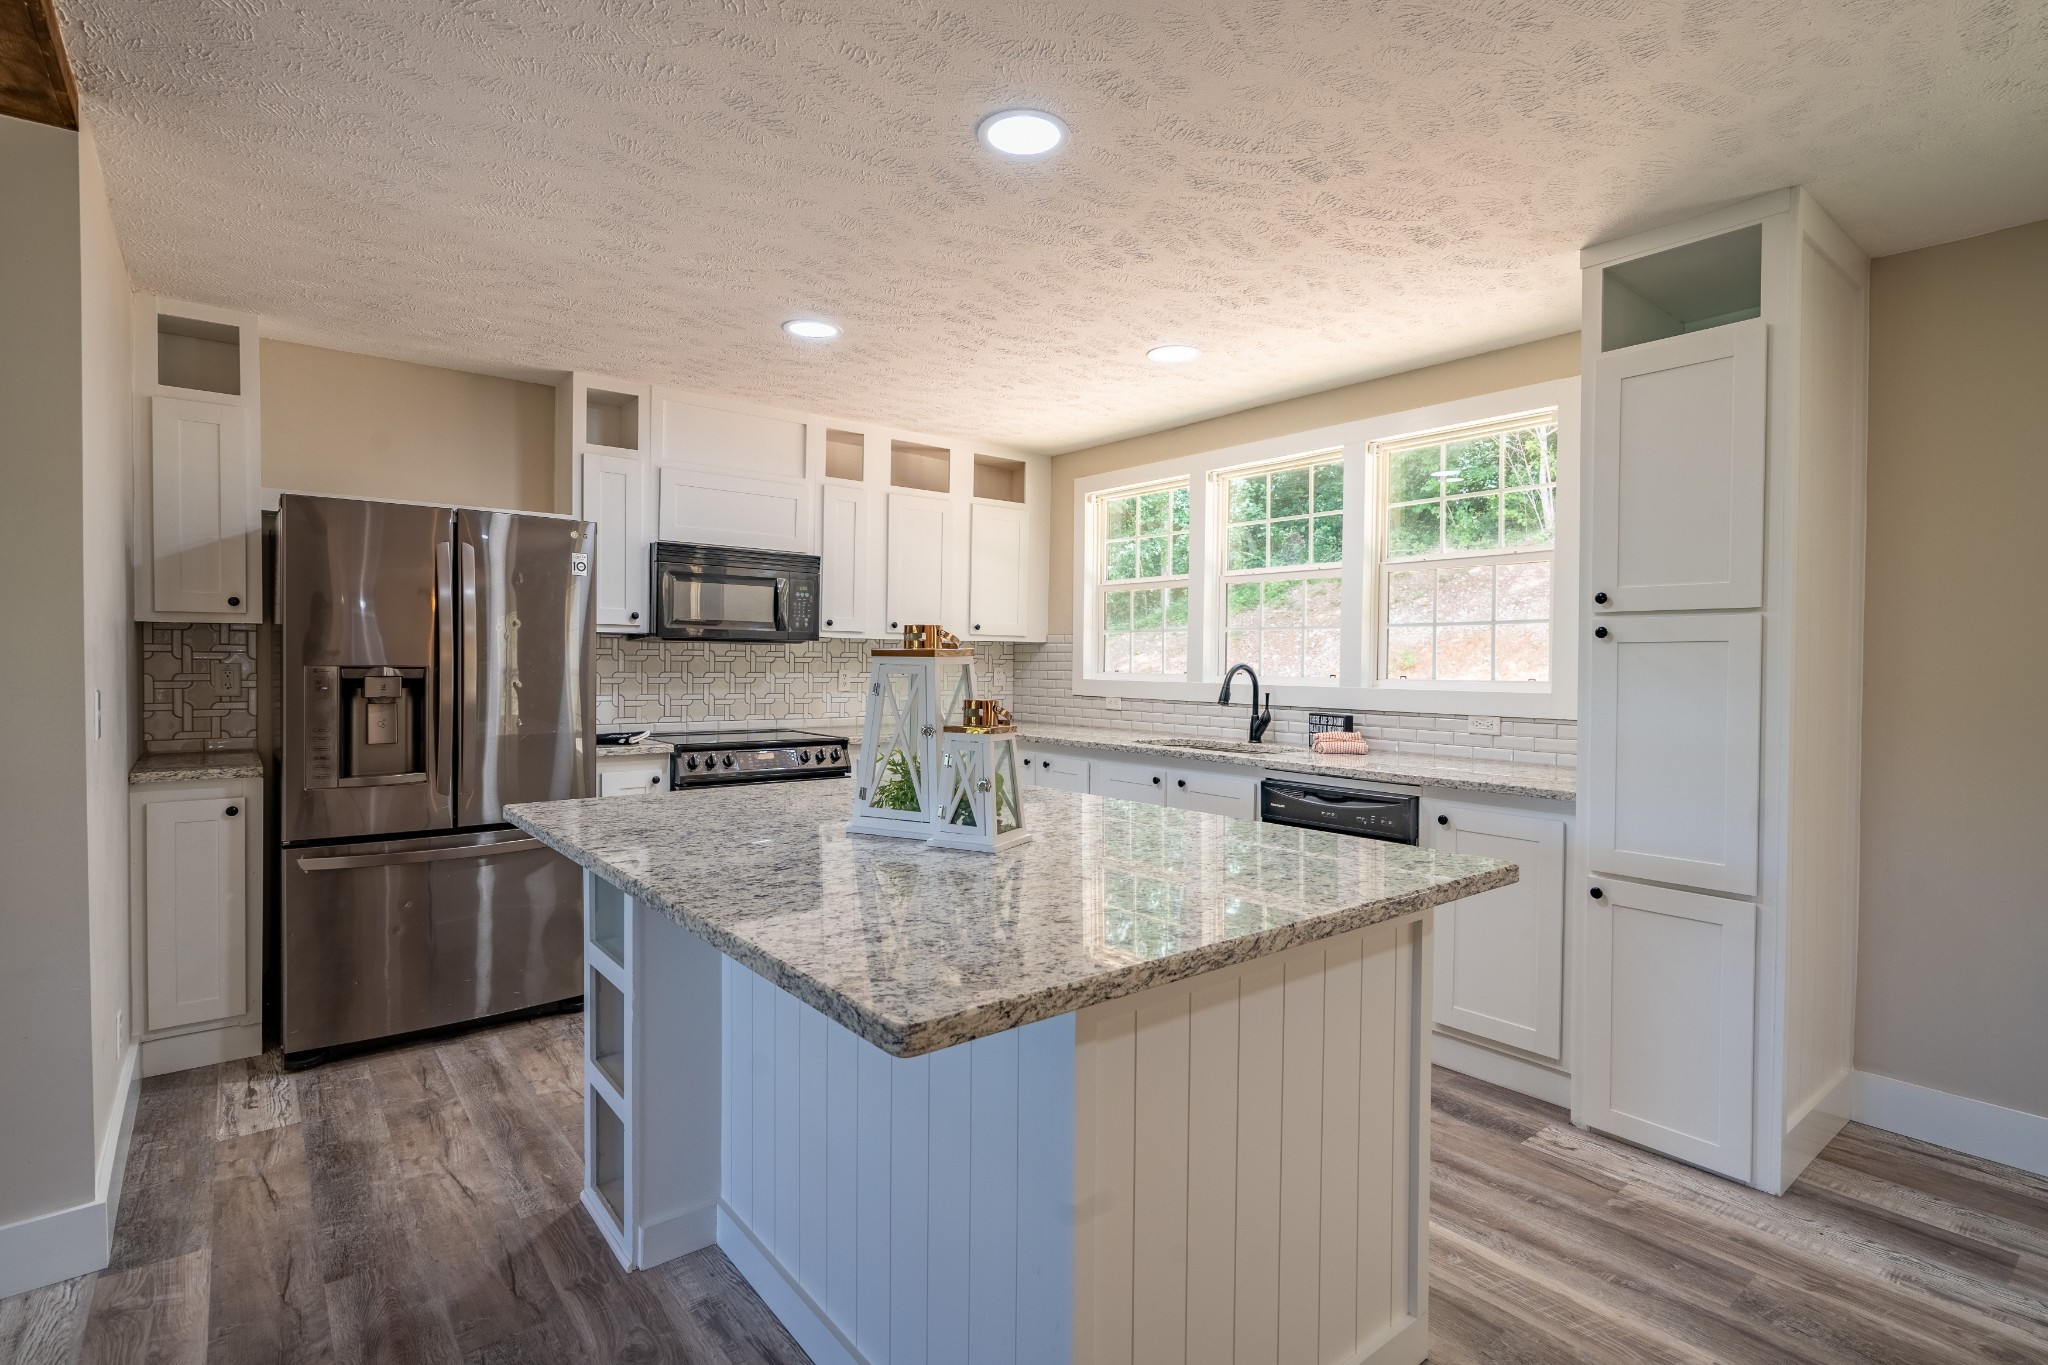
{"x":912,"y":694}
{"x":981,"y":803}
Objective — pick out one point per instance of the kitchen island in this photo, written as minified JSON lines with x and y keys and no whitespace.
{"x":1152,"y":1084}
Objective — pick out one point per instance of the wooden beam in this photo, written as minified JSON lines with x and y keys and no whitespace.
{"x":35,"y":77}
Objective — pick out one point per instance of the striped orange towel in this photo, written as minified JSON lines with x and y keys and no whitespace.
{"x":1337,"y":742}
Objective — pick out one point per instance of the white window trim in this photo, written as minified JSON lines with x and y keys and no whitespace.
{"x":1093,"y":528}
{"x":1356,"y":688}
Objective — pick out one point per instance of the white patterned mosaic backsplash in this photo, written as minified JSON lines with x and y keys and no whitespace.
{"x":728,"y":685}
{"x":198,"y":686}
{"x":1045,"y":693}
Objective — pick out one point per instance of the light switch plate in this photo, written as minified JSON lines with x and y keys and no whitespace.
{"x":1482,"y":725}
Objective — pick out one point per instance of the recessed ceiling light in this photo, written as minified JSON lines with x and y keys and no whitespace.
{"x":810,"y":329}
{"x":1022,"y":132}
{"x":1173,"y":355}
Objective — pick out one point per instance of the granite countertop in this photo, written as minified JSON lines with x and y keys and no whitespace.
{"x":646,"y":748}
{"x":221,"y":765}
{"x":1503,"y":777}
{"x":916,"y":948}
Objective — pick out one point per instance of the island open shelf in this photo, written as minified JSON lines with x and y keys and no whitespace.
{"x":1151,"y":1085}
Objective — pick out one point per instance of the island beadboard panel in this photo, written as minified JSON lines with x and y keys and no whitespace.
{"x":1045,"y":693}
{"x":647,"y":681}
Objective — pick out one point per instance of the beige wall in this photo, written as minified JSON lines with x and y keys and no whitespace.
{"x":47,"y":1140}
{"x":1534,"y":363}
{"x":1952,"y":989}
{"x":363,"y":427}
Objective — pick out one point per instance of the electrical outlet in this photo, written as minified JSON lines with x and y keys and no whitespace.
{"x":1482,"y":725}
{"x":1113,"y":703}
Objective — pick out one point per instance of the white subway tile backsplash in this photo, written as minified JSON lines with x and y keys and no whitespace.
{"x":1044,"y":691}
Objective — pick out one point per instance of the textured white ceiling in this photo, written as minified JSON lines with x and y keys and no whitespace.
{"x":1310,"y":190}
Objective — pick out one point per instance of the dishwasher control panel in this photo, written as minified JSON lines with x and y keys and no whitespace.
{"x":1392,"y":816}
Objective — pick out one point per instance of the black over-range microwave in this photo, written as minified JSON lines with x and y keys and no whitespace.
{"x":717,"y":592}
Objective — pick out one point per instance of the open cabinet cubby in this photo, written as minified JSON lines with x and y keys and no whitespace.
{"x":193,"y":354}
{"x":607,"y":927}
{"x":928,"y":469}
{"x":1690,"y":288}
{"x":607,"y":1158}
{"x":998,"y":478}
{"x":604,"y":1019}
{"x":611,"y":419}
{"x":846,"y":456}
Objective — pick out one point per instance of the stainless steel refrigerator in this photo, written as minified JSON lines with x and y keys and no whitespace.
{"x":435,"y":668}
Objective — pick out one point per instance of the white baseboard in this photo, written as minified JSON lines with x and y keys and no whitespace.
{"x":1977,"y":1128}
{"x":78,"y":1240}
{"x":679,"y":1234}
{"x":785,"y":1298}
{"x":183,"y":1051}
{"x":1499,"y":1068}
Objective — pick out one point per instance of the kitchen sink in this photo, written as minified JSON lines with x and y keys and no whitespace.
{"x":1222,"y":746}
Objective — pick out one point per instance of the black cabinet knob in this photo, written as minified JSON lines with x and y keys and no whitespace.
{"x":234,"y":601}
{"x":1180,"y":781}
{"x":1597,"y":894}
{"x":654,"y":781}
{"x":1443,"y":819}
{"x":977,"y":625}
{"x":1155,"y":781}
{"x":828,"y":620}
{"x":633,"y":616}
{"x":1600,"y":632}
{"x":893,"y":625}
{"x":232,"y":810}
{"x":1601,"y":598}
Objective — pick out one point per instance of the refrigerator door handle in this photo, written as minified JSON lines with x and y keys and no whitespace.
{"x":444,"y":665}
{"x":467,"y":703}
{"x":418,"y":855}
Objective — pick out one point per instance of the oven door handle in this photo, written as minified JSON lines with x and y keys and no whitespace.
{"x":343,"y":862}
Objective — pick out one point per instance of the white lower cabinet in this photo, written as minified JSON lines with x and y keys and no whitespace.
{"x":1063,"y":771}
{"x":1670,"y":987}
{"x":1500,"y":954}
{"x":1128,"y":781}
{"x":633,"y":776}
{"x":1216,"y":793}
{"x":195,"y":876}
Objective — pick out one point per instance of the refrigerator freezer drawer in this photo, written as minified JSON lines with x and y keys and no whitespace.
{"x":403,"y":934}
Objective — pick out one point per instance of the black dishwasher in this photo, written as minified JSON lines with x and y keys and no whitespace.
{"x":1341,"y":810}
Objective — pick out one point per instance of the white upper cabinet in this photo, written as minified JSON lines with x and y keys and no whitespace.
{"x":737,"y":442}
{"x":197,"y":547}
{"x":1677,"y":473}
{"x":195,"y":910}
{"x":201,"y":512}
{"x":1670,"y":997}
{"x":704,"y":507}
{"x":1671,"y":728}
{"x":845,"y":540}
{"x":998,"y":570}
{"x":920,"y":534}
{"x":1500,"y":954}
{"x":614,"y":497}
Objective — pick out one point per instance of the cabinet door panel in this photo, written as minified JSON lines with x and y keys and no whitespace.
{"x":614,"y":496}
{"x":843,"y":532}
{"x":705,"y":508}
{"x":1677,"y":473}
{"x":738,"y":442}
{"x":201,"y":509}
{"x":1500,"y":954}
{"x":917,"y":558}
{"x":1672,"y":750}
{"x":195,"y":919}
{"x":1128,"y":782}
{"x":631,"y":777}
{"x":999,"y":566}
{"x":1216,"y":793}
{"x":1670,"y":996}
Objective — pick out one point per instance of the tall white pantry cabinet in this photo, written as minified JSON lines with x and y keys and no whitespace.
{"x":1724,"y":373}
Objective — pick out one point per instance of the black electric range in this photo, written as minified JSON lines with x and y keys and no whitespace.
{"x":711,"y":760}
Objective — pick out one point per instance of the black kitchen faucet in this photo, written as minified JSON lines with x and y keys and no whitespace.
{"x":1260,"y":720}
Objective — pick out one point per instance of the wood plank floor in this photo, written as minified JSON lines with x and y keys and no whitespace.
{"x":419,"y":1205}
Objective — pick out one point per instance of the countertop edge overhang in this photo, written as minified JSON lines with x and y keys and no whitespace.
{"x":912,"y":1038}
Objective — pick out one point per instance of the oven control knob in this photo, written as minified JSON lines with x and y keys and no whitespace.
{"x":691,"y":763}
{"x":835,"y":755}
{"x":728,"y":760}
{"x":803,"y":755}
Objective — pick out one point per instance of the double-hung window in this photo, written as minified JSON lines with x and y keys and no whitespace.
{"x":1467,"y":556}
{"x":1283,"y":557}
{"x":1143,"y":581}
